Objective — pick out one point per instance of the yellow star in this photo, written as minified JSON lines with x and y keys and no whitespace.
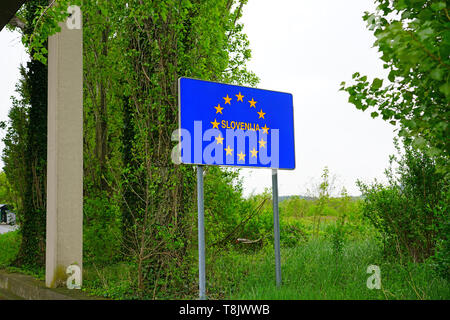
{"x":219,"y":139}
{"x":241,"y":156}
{"x":239,"y":97}
{"x":219,"y":109}
{"x":252,"y":103}
{"x":254,"y":153}
{"x":227,"y":99}
{"x":215,"y":124}
{"x":262,"y":143}
{"x":265,"y":129}
{"x":261,"y":114}
{"x":228,"y":150}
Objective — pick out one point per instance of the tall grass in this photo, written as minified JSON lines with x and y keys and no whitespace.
{"x":313,"y":271}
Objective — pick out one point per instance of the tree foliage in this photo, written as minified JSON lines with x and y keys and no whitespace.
{"x":413,"y":37}
{"x":25,"y":153}
{"x":138,"y":205}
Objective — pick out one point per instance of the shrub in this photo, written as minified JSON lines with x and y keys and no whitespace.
{"x":292,"y":233}
{"x":441,"y":258}
{"x":101,"y":230}
{"x":226,"y":211}
{"x":295,"y":207}
{"x":9,"y":247}
{"x":408,"y":212}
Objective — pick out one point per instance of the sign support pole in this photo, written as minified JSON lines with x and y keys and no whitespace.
{"x":276,"y":226}
{"x":201,"y":234}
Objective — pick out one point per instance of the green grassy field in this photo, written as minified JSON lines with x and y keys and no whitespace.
{"x":311,"y":267}
{"x":312,"y":271}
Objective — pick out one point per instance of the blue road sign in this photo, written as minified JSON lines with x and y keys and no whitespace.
{"x":222,"y":124}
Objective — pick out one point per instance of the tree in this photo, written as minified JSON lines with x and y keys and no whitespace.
{"x":134,"y":53}
{"x":414,"y":39}
{"x":163,"y":41}
{"x":321,"y":192}
{"x":15,"y":140}
{"x":25,"y":153}
{"x":6,"y":193}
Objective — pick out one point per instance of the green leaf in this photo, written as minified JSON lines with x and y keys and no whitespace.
{"x":438,"y":6}
{"x":437,"y":74}
{"x":445,"y":89}
{"x":419,"y":142}
{"x":425,"y":33}
{"x":391,"y":76}
{"x":434,"y":152}
{"x":376,"y":84}
{"x":400,"y":5}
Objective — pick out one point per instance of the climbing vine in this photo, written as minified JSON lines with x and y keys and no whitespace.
{"x":137,"y":204}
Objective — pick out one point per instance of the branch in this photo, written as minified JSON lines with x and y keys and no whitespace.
{"x":241,"y":4}
{"x":428,"y":52}
{"x":39,"y":19}
{"x":17,"y":22}
{"x":238,"y":12}
{"x":255,"y":212}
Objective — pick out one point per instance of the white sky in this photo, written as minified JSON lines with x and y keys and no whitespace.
{"x":305,"y":47}
{"x":12,"y":53}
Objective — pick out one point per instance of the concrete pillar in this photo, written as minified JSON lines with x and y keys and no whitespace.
{"x":64,"y":155}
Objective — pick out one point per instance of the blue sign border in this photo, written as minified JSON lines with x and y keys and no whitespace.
{"x":236,"y":86}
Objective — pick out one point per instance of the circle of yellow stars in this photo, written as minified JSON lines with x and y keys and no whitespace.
{"x":219,"y":139}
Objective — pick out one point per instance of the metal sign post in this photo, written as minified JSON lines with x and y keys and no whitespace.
{"x":276,"y":226}
{"x":201,"y":234}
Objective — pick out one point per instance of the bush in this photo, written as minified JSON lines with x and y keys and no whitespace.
{"x":101,"y":231}
{"x":9,"y":247}
{"x":226,"y":211}
{"x":441,"y":259}
{"x":295,"y":207}
{"x":113,"y":281}
{"x":292,"y":233}
{"x":260,"y":227}
{"x":408,"y":212}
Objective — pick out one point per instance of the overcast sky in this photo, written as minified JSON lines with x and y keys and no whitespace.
{"x":12,"y":53}
{"x":305,"y":47}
